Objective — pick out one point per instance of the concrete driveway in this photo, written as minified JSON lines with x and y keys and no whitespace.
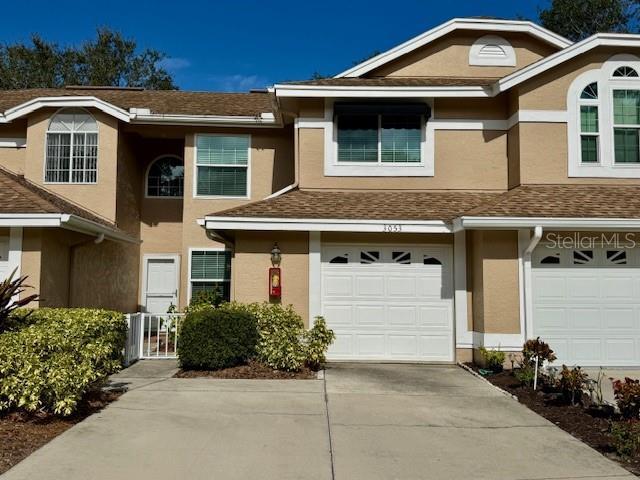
{"x":361,"y":422}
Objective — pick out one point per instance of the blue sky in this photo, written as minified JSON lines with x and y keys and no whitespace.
{"x":225,"y":45}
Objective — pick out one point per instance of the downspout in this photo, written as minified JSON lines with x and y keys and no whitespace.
{"x":526,"y":278}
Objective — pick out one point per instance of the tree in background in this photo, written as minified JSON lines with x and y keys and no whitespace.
{"x":109,"y":60}
{"x":579,"y":19}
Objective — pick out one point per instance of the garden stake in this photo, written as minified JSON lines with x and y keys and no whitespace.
{"x":535,"y":376}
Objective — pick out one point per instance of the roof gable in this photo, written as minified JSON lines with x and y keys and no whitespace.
{"x":477,"y":24}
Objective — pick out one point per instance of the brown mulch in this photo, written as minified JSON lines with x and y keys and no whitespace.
{"x":250,"y":370}
{"x":590,"y":428}
{"x":21,"y":434}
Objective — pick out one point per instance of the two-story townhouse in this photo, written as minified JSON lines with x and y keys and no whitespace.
{"x":476,"y":185}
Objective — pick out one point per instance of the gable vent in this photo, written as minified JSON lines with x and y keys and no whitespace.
{"x":491,"y":50}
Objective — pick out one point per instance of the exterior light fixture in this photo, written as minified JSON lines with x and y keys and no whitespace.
{"x":276,"y":255}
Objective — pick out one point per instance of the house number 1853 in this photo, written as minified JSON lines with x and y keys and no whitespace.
{"x":392,"y":228}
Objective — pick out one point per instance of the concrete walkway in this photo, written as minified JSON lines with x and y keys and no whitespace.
{"x":362,"y":422}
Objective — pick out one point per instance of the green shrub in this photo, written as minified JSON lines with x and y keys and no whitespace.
{"x":525,"y":374}
{"x":214,"y":338}
{"x":10,"y":289}
{"x":285,"y":344}
{"x":205,"y":298}
{"x":52,"y":360}
{"x":493,"y":359}
{"x":627,"y":395}
{"x":537,"y":348}
{"x":626,"y":437}
{"x":572,"y":382}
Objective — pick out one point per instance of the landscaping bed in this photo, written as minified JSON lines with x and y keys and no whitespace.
{"x":251,"y":370}
{"x":591,"y":428}
{"x":23,"y":433}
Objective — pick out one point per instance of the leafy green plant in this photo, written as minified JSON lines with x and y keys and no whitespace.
{"x":627,"y":395}
{"x":316,"y":342}
{"x":205,"y":298}
{"x":214,"y":338}
{"x":572,"y":382}
{"x":493,"y":359}
{"x":626,"y":437}
{"x":525,"y":374}
{"x":52,"y":360}
{"x":10,"y":289}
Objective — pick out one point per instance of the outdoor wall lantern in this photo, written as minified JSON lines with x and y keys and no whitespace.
{"x":275,"y":275}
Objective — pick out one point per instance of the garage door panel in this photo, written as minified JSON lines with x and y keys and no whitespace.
{"x":586,"y":350}
{"x":369,"y":286}
{"x":551,"y":318}
{"x":583,"y":287}
{"x":370,"y":315}
{"x":387,"y":309}
{"x":402,"y":315}
{"x":584,"y":318}
{"x":618,"y":318}
{"x":622,"y":350}
{"x":550,"y":287}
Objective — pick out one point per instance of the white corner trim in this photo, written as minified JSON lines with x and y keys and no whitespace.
{"x":467,"y":124}
{"x":13,"y":142}
{"x":15,"y":250}
{"x":510,"y":223}
{"x":63,"y":102}
{"x":537,"y":116}
{"x":429,"y":36}
{"x":315,"y":278}
{"x":326,"y":225}
{"x":492,"y":50}
{"x":503,"y":341}
{"x":282,"y":191}
{"x":462,"y":333}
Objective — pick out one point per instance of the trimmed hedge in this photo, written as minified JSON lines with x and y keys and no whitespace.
{"x":51,"y":358}
{"x":214,"y":338}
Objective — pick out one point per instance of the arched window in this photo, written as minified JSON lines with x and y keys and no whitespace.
{"x":166,"y":177}
{"x":72,"y":147}
{"x":589,"y":124}
{"x":625,"y":71}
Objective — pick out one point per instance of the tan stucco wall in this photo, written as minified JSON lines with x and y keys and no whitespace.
{"x":13,"y":158}
{"x":494,"y":108}
{"x":463,"y":160}
{"x":449,"y":56}
{"x":513,"y":154}
{"x":99,"y":197}
{"x":387,"y":238}
{"x":30,"y":260}
{"x":252,"y":259}
{"x":54,"y":274}
{"x":494,"y":281}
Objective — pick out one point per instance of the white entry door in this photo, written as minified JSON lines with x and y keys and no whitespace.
{"x":161,"y":283}
{"x":586,"y":304}
{"x":388,"y":302}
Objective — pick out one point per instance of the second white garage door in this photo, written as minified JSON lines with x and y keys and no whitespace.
{"x":586,"y":304}
{"x":388,"y":303}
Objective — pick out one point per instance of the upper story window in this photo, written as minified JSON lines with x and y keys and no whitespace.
{"x":604,"y":120}
{"x":166,"y":177}
{"x":222,"y":166}
{"x":72,"y":148}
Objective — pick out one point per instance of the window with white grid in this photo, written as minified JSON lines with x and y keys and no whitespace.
{"x":72,"y":148}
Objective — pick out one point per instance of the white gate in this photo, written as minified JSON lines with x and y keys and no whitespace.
{"x":152,"y":335}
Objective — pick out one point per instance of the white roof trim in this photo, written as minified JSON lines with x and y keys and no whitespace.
{"x":456,"y":24}
{"x":597,"y":40}
{"x":386,"y":92}
{"x":511,"y":223}
{"x":61,"y":102}
{"x":62,"y":220}
{"x":134,"y":115}
{"x":325,"y":225}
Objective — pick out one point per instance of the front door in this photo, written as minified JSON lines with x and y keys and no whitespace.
{"x":161,"y":286}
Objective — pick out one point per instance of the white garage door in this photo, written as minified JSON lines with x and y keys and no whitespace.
{"x":388,"y":303}
{"x":586,"y":304}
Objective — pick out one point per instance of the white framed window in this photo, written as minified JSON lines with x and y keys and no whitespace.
{"x":378,"y":139}
{"x":222,"y":166}
{"x":604,"y":120}
{"x":210,"y":270}
{"x":165,"y":177}
{"x":71,"y":150}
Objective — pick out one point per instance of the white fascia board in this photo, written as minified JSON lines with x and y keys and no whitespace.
{"x":62,"y":102}
{"x":325,"y":225}
{"x":17,"y":142}
{"x":510,"y":223}
{"x":30,"y":220}
{"x":82,"y":225}
{"x":448,"y":27}
{"x":597,"y":40}
{"x":340,"y":91}
{"x":266,"y":119}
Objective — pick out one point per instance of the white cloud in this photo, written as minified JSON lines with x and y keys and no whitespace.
{"x":174,"y":63}
{"x":237,"y":82}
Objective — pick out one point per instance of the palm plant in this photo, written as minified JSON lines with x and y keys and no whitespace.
{"x":10,"y":290}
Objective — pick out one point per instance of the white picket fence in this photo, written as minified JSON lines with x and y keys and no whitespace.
{"x":152,"y":335}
